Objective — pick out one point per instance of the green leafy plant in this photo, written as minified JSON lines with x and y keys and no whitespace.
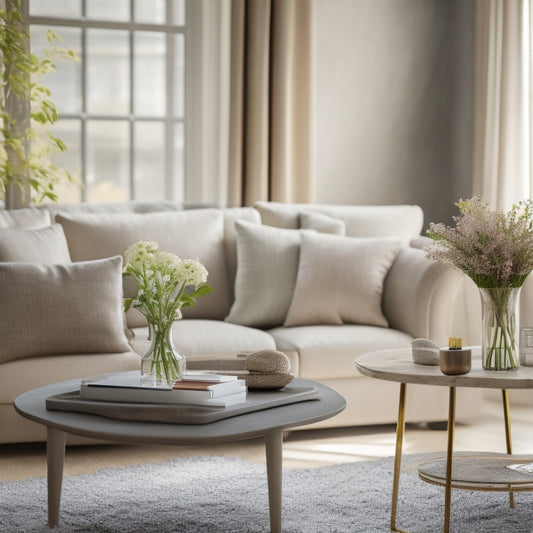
{"x":26,"y":111}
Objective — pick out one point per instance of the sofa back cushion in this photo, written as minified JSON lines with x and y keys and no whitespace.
{"x":196,"y":234}
{"x":28,"y":217}
{"x":402,"y":221}
{"x":44,"y":245}
{"x":61,"y":309}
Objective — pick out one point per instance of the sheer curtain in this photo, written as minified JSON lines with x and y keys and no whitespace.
{"x":270,"y":144}
{"x":502,"y":160}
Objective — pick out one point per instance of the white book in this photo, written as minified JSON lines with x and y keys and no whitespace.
{"x":127,"y":387}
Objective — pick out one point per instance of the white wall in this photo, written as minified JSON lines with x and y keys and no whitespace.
{"x":394,"y":102}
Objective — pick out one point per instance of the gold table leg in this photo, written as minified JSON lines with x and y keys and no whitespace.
{"x":449,"y":460}
{"x":400,"y":429}
{"x":508,"y":439}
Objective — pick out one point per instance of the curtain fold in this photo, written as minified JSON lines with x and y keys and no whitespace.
{"x":501,"y":128}
{"x":270,"y":142}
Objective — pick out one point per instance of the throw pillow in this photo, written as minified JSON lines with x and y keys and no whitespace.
{"x":340,"y":280}
{"x":61,"y":309}
{"x":322,"y":223}
{"x":267,"y":264}
{"x":45,"y":245}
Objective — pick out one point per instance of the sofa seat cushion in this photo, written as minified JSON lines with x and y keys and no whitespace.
{"x":199,"y":337}
{"x":329,"y":352}
{"x":23,"y":375}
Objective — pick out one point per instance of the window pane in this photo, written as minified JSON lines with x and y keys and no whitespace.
{"x":108,"y":72}
{"x":152,"y":11}
{"x":69,"y":131}
{"x":179,"y":12}
{"x":179,"y":164}
{"x":150,"y":84}
{"x":65,"y":82}
{"x":179,"y":76}
{"x":108,"y":147}
{"x":149,"y":160}
{"x":106,"y":10}
{"x":56,"y":8}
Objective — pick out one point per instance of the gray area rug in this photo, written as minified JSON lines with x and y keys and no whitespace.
{"x":221,"y":494}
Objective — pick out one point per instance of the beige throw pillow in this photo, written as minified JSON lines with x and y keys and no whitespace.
{"x":45,"y":245}
{"x":340,"y":280}
{"x":267,"y":264}
{"x":61,"y":309}
{"x":27,"y":217}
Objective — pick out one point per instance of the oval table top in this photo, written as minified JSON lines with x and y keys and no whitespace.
{"x":398,"y":365}
{"x":32,"y":405}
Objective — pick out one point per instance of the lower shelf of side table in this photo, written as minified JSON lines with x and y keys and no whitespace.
{"x":480,"y":471}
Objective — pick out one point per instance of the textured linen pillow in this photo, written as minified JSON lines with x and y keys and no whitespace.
{"x":61,"y":309}
{"x":45,"y":245}
{"x":340,"y":280}
{"x":267,"y":264}
{"x":322,"y":223}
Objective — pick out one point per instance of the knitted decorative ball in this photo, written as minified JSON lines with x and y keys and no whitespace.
{"x":267,"y":369}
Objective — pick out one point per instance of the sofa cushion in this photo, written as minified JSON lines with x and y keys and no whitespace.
{"x":329,"y":352}
{"x":61,"y":309}
{"x":267,"y":264}
{"x":402,"y":221}
{"x":28,"y":217}
{"x":322,"y":223}
{"x":340,"y":280}
{"x":44,"y":245}
{"x":196,"y":234}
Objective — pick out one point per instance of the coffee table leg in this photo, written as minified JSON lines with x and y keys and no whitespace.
{"x":274,"y":460}
{"x":55,"y":456}
{"x":400,"y":429}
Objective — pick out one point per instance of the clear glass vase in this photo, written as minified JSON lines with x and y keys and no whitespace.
{"x":500,"y":335}
{"x":163,"y":364}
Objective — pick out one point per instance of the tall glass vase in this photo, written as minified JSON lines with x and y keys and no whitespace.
{"x":162,"y":365}
{"x":500,"y":335}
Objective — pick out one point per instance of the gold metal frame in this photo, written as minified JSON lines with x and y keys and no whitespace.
{"x":400,"y":431}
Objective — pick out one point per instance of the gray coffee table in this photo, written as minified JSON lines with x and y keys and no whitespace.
{"x":269,"y":423}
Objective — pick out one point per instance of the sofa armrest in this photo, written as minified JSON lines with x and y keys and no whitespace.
{"x":430,"y":299}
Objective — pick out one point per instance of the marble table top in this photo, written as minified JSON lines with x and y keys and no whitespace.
{"x":398,"y":365}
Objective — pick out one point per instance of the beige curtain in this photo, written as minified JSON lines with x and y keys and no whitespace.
{"x":270,"y":144}
{"x":501,"y":129}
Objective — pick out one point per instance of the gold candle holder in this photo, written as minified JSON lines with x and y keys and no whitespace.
{"x":455,"y":359}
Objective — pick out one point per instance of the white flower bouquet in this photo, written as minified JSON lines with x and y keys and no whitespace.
{"x":165,"y":284}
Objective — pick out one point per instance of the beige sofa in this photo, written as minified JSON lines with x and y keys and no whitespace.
{"x":323,"y":284}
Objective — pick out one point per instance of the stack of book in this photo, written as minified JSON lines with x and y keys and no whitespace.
{"x":213,"y":390}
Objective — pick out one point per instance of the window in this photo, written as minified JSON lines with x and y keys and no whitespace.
{"x":122,"y":106}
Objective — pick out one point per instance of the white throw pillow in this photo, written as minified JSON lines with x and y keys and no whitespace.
{"x":267,"y":264}
{"x":45,"y":245}
{"x":61,"y":309}
{"x":340,"y":280}
{"x":322,"y":223}
{"x":195,"y":234}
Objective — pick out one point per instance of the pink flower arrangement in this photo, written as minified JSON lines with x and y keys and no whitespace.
{"x":493,"y":248}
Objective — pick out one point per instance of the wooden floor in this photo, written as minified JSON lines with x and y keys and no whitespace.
{"x":302,"y":449}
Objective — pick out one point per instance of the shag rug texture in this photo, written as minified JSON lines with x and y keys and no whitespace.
{"x":223,"y":494}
